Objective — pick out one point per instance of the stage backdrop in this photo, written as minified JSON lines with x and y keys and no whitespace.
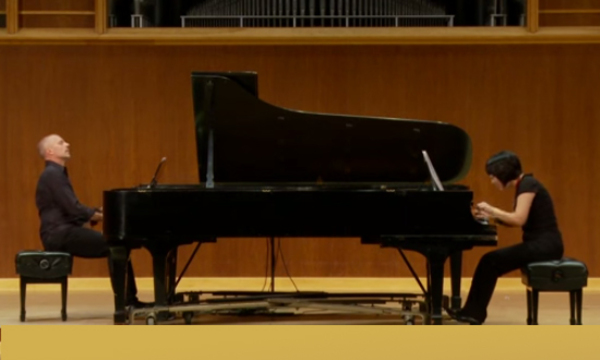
{"x":123,"y":108}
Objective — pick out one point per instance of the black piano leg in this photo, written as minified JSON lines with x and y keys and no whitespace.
{"x":159,"y":267}
{"x":172,"y":273}
{"x":119,"y":257}
{"x":162,"y":269}
{"x":436,"y":266}
{"x":456,"y":274}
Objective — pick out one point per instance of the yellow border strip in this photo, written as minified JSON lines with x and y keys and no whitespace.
{"x":299,"y":342}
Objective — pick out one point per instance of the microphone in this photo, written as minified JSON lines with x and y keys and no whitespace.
{"x":153,"y":182}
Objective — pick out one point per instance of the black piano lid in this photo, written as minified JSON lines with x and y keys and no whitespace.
{"x":256,"y":142}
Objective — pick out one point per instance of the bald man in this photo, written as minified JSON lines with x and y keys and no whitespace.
{"x":63,"y":217}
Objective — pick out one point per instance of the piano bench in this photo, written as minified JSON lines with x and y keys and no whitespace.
{"x":43,"y":267}
{"x":565,"y":275}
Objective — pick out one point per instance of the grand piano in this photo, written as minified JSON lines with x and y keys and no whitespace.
{"x":266,"y":171}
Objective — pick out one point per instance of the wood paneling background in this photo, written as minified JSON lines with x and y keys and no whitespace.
{"x":123,"y":108}
{"x":569,"y":4}
{"x":87,"y":5}
{"x":569,"y":19}
{"x":73,"y":20}
{"x":2,"y":14}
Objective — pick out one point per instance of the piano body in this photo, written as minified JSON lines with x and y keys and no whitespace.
{"x":267,"y":171}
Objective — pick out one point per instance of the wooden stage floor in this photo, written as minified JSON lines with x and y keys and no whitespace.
{"x":92,"y":305}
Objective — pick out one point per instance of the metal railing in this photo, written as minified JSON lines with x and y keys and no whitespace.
{"x":140,"y":21}
{"x":316,"y":20}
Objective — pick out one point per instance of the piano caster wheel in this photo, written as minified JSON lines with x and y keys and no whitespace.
{"x":187,"y":317}
{"x":151,"y":319}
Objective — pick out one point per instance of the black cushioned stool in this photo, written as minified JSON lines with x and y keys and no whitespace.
{"x":565,"y":275}
{"x":42,"y":267}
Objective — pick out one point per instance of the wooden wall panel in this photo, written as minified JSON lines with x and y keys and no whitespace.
{"x":5,"y":230}
{"x":570,"y":19}
{"x":2,"y":14}
{"x":57,"y":14}
{"x":569,"y":4}
{"x":123,"y":108}
{"x":72,"y":5}
{"x":57,"y":21}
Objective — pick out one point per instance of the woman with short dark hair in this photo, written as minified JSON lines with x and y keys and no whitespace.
{"x":534,"y":212}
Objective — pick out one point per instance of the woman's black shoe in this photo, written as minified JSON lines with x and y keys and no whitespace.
{"x":452,"y":313}
{"x":458,"y":316}
{"x":467,"y":319}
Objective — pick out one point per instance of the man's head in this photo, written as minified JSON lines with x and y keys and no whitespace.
{"x":54,"y":148}
{"x":503,"y":168}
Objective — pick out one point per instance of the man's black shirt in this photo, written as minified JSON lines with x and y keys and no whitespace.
{"x":57,"y":203}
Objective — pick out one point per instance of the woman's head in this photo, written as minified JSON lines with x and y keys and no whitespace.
{"x":503,"y":168}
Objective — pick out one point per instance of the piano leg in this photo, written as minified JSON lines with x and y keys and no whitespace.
{"x":172,"y":273}
{"x":436,"y":262}
{"x":164,"y":268}
{"x":455,"y":276}
{"x":119,"y":257}
{"x":159,"y":268}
